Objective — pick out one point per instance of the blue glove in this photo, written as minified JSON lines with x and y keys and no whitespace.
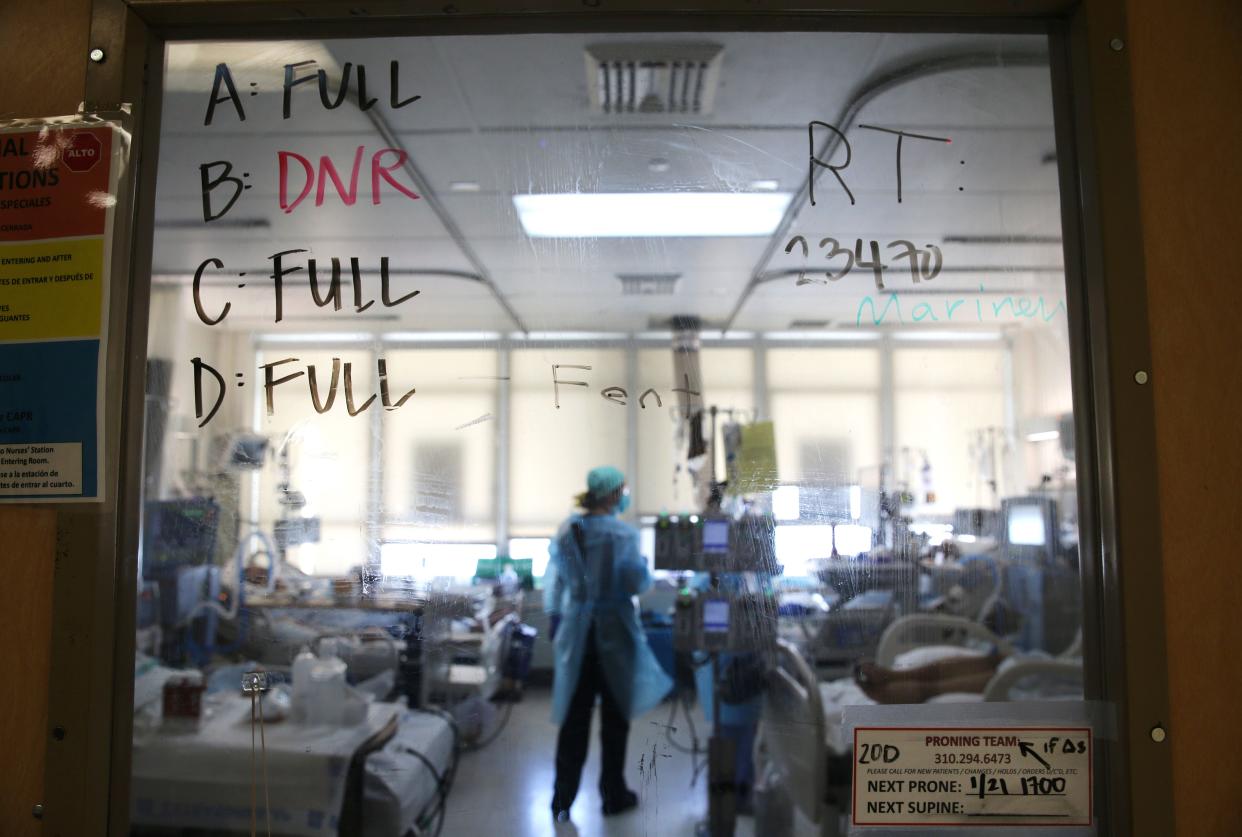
{"x":554,"y":622}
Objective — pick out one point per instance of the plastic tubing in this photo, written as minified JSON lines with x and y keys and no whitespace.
{"x":230,"y":613}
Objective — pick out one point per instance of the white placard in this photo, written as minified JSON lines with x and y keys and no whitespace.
{"x":54,"y":468}
{"x":950,"y":777}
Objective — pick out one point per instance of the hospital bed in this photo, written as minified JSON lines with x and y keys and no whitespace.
{"x":833,"y":639}
{"x":386,"y":776}
{"x":802,"y":730}
{"x":970,"y":586}
{"x":851,"y":627}
{"x":462,"y":664}
{"x":404,"y":631}
{"x":852,"y":578}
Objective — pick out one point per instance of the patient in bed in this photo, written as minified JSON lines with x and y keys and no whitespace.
{"x":918,"y":684}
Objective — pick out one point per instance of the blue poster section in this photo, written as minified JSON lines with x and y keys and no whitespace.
{"x":48,"y":394}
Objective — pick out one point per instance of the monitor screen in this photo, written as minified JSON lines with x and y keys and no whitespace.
{"x":716,"y":616}
{"x":179,"y":532}
{"x":715,"y":537}
{"x":1027,"y":526}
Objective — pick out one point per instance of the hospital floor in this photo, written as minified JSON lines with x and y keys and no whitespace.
{"x":506,"y":788}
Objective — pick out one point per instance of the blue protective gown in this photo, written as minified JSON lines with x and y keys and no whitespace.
{"x":599,"y":587}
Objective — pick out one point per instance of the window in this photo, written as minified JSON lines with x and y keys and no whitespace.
{"x":439,"y":458}
{"x":826,"y":404}
{"x":534,"y":254}
{"x":727,"y":383}
{"x":327,"y":458}
{"x":955,"y":440}
{"x":553,"y":447}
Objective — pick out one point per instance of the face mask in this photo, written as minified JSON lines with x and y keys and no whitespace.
{"x":624,"y":504}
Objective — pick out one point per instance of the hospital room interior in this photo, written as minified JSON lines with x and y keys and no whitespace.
{"x":787,"y":312}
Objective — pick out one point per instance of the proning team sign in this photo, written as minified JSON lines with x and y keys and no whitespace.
{"x":935,"y":777}
{"x":56,"y":194}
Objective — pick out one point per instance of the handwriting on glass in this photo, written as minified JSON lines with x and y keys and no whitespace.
{"x":837,"y":134}
{"x":924,"y":264}
{"x":323,"y":393}
{"x":305,"y":179}
{"x":385,"y":163}
{"x":981,"y":308}
{"x":322,"y":298}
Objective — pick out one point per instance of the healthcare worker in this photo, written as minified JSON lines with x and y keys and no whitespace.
{"x":595,"y":571}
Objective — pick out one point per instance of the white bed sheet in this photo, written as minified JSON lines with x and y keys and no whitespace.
{"x":202,"y":778}
{"x":835,"y":695}
{"x":838,"y":694}
{"x":398,"y":785}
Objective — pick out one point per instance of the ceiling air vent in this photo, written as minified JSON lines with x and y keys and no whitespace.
{"x":653,"y":77}
{"x":678,"y":323}
{"x":648,"y":284}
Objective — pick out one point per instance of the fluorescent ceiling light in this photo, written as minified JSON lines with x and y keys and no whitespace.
{"x":1043,"y":436}
{"x":650,"y":214}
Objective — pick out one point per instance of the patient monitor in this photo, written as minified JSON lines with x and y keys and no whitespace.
{"x":714,"y":543}
{"x":1029,"y":529}
{"x":714,"y":621}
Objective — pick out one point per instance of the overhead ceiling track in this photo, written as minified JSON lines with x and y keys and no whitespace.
{"x":814,"y":276}
{"x":881,"y":82}
{"x":178,"y":278}
{"x":423,"y":185}
{"x":1002,"y":239}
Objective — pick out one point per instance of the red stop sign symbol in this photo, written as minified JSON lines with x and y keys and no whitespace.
{"x":83,"y":153}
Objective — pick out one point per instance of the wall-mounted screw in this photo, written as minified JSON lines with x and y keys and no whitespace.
{"x":97,"y":55}
{"x":1158,"y":734}
{"x":58,"y":733}
{"x":37,"y":811}
{"x":1117,"y":44}
{"x":1140,"y":377}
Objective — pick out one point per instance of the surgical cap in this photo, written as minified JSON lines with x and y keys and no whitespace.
{"x":604,"y":480}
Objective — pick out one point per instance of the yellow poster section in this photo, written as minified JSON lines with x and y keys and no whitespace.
{"x":51,"y":290}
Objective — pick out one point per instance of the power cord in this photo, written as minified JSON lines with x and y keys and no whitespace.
{"x":500,"y":727}
{"x":442,"y":789}
{"x":444,"y":782}
{"x":698,"y":755}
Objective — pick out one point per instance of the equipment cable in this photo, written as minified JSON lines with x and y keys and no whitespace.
{"x":500,"y":727}
{"x":441,"y":798}
{"x":444,"y":781}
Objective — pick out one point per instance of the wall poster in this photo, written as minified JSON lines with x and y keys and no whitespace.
{"x":58,"y":182}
